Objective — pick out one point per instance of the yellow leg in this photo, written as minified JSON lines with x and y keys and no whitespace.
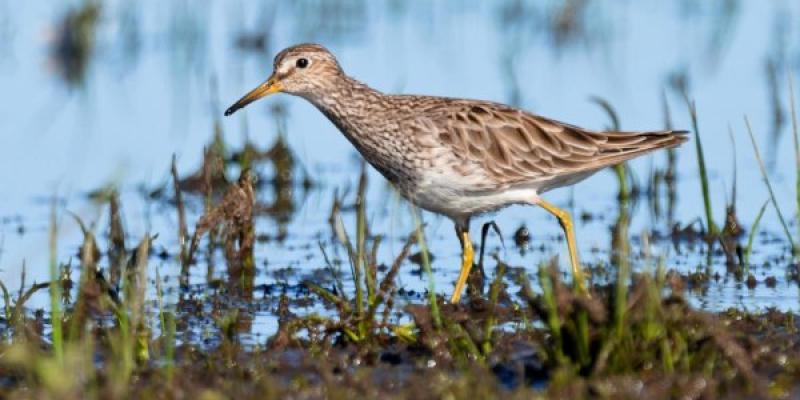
{"x":566,"y":224}
{"x":467,"y":255}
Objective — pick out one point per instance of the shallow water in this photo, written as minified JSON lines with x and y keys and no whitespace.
{"x":160,"y":75}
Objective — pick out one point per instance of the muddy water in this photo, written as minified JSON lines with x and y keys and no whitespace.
{"x":155,"y":79}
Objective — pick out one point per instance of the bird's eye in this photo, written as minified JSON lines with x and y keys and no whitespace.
{"x":302,"y":62}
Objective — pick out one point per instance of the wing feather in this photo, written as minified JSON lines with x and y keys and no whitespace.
{"x":514,"y":147}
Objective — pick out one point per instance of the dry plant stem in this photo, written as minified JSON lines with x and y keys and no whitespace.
{"x":117,"y":253}
{"x":361,"y":272}
{"x":182,"y":230}
{"x":387,"y":284}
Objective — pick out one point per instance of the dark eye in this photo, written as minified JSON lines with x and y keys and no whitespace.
{"x":302,"y":63}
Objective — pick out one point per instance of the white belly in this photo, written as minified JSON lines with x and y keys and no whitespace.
{"x":457,"y":199}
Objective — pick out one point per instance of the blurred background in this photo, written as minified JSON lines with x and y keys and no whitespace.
{"x":99,"y":94}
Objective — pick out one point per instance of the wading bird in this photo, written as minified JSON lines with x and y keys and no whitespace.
{"x":456,"y":157}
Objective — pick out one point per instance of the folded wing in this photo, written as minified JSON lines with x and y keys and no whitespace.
{"x":518,"y":148}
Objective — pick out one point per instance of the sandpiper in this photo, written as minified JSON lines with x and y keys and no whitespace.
{"x":456,"y":157}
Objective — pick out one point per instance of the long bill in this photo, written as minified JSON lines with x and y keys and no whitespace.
{"x":265,"y":89}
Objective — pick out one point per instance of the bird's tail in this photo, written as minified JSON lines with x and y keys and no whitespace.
{"x":618,"y":147}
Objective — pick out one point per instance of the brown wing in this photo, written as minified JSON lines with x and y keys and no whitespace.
{"x":514,"y":147}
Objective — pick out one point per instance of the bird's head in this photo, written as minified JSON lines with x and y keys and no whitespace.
{"x":305,"y":70}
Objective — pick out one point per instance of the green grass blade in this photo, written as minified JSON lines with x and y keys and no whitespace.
{"x":751,"y":236}
{"x":335,"y":272}
{"x":6,"y":302}
{"x":623,"y":274}
{"x":769,"y":185}
{"x":55,"y":288}
{"x":796,"y":138}
{"x":551,"y":309}
{"x":491,"y":321}
{"x":426,"y":266}
{"x":735,"y":169}
{"x":355,"y":271}
{"x":620,"y":170}
{"x":701,"y":164}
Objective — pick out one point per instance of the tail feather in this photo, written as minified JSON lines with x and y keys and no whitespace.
{"x":623,"y":146}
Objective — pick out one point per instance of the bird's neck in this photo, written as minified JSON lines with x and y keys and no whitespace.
{"x":369,"y":120}
{"x":347,"y":104}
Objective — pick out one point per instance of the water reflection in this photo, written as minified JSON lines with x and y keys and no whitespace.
{"x":721,"y":19}
{"x":6,"y":32}
{"x":333,"y":22}
{"x":75,"y":41}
